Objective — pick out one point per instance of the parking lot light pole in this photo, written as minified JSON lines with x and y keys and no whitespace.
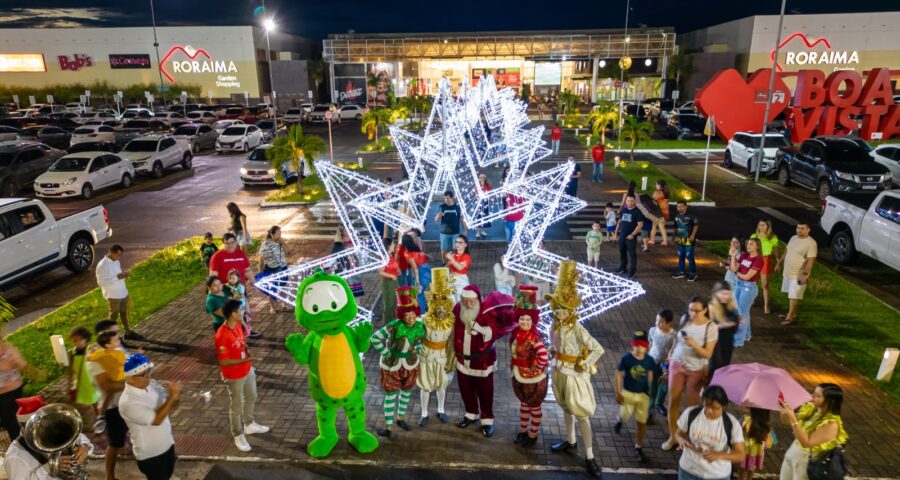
{"x":269,"y":25}
{"x":156,"y":46}
{"x":622,"y":78}
{"x":762,"y":140}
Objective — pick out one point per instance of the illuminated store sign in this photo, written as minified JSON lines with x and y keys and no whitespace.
{"x":189,"y":60}
{"x":808,"y":56}
{"x":75,"y":63}
{"x":129,"y":60}
{"x":22,"y":62}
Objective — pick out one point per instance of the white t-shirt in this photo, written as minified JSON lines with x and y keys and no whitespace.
{"x":708,"y":435}
{"x":138,"y":407}
{"x":107,"y":278}
{"x":798,"y":250}
{"x":20,"y":465}
{"x":685,"y":354}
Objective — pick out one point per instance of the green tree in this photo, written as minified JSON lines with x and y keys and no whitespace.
{"x":680,"y":66}
{"x":294,"y":148}
{"x":604,"y":115}
{"x":399,"y":113}
{"x":568,"y":101}
{"x":635,"y":131}
{"x":7,"y":311}
{"x":317,"y":68}
{"x":373,"y":120}
{"x":526,"y":92}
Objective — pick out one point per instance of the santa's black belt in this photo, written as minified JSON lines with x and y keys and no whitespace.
{"x":479,"y":354}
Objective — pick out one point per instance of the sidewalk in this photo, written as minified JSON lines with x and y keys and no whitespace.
{"x":182,"y":348}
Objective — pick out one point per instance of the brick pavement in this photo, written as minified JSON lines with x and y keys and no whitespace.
{"x":181,"y":346}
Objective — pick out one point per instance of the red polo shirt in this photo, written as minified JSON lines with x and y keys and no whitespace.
{"x":597,"y":152}
{"x":232,"y":345}
{"x":222,"y":262}
{"x":555,"y":133}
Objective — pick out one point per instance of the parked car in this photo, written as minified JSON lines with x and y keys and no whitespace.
{"x":104,"y":114}
{"x":351,"y":111}
{"x":239,"y":138}
{"x":863,"y":223}
{"x":32,"y":240}
{"x":743,"y":149}
{"x":887,"y":154}
{"x":685,"y":126}
{"x":16,"y":122}
{"x":135,"y":128}
{"x":70,"y":116}
{"x":169,"y":117}
{"x":831,"y":164}
{"x":293,"y":115}
{"x":221,"y":125}
{"x":46,"y":110}
{"x":202,"y":116}
{"x":95,"y":146}
{"x":152,"y":154}
{"x":8,"y":134}
{"x":271,"y":128}
{"x":232,"y":113}
{"x":53,"y":136}
{"x":306,"y":107}
{"x":136,"y":113}
{"x":317,"y":115}
{"x":93,"y":133}
{"x":197,"y":136}
{"x":252,"y":115}
{"x":21,"y":163}
{"x":83,"y":173}
{"x":258,"y":171}
{"x":77,"y":107}
{"x":115,"y":124}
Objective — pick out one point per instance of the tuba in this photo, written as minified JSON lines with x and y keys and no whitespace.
{"x":53,"y":430}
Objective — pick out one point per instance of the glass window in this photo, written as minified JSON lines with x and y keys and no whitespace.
{"x":111,"y":159}
{"x":29,"y":217}
{"x":889,"y":209}
{"x":29,"y":155}
{"x":97,"y":164}
{"x":166,"y":143}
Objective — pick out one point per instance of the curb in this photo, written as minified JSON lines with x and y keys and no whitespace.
{"x":668,"y":150}
{"x":265,"y":204}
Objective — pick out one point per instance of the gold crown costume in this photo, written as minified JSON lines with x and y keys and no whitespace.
{"x":437,"y":358}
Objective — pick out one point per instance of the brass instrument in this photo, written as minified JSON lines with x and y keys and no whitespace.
{"x":53,"y":430}
{"x":186,"y":392}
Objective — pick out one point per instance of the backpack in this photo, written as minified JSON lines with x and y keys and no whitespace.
{"x":726,"y":419}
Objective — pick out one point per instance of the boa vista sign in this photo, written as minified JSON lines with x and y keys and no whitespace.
{"x":820,"y":105}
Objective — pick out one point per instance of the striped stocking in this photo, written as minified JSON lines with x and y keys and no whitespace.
{"x":536,"y":417}
{"x":524,"y":413}
{"x":404,"y":402}
{"x":390,"y":406}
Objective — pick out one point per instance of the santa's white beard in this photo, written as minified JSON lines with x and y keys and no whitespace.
{"x":468,"y":315}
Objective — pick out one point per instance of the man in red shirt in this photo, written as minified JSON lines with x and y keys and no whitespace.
{"x":231,"y":257}
{"x":555,"y":136}
{"x":239,"y":375}
{"x":597,"y":152}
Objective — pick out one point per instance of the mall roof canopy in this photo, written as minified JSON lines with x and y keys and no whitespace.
{"x":535,"y":45}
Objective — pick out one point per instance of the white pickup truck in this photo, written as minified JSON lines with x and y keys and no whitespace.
{"x":32,"y":240}
{"x":863,"y":223}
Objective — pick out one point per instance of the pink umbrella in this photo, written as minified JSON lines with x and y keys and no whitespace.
{"x":758,"y":385}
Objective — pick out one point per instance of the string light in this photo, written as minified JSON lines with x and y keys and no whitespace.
{"x":479,"y":128}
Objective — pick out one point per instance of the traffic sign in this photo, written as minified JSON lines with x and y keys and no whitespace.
{"x":16,"y":99}
{"x":87,"y":93}
{"x":31,"y":100}
{"x":82,"y":99}
{"x":50,"y":99}
{"x":675,"y":94}
{"x":710,"y":129}
{"x":310,"y":93}
{"x":119,"y":93}
{"x":246,"y":95}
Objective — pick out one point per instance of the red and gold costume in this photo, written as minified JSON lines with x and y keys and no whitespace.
{"x":528,"y":363}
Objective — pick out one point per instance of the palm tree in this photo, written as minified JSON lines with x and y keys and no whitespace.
{"x":680,"y":65}
{"x":635,"y":131}
{"x":6,"y":311}
{"x":568,"y":100}
{"x":399,"y":113}
{"x":292,"y":148}
{"x":601,"y":117}
{"x":373,"y":120}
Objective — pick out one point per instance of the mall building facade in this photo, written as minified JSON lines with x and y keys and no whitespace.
{"x":225,"y":62}
{"x":826,"y":42}
{"x":364,"y":67}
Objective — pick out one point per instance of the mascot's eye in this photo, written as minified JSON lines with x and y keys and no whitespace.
{"x":315,"y":308}
{"x":334,"y":305}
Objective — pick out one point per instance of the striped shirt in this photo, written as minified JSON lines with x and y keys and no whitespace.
{"x":273,"y":254}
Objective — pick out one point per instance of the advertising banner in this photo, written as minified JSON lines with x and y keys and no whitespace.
{"x":350,"y":90}
{"x":547,"y":73}
{"x":383,"y":72}
{"x":504,"y":77}
{"x":22,"y":62}
{"x":129,"y":60}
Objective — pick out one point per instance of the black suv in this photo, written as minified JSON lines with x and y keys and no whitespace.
{"x":832,"y":164}
{"x":21,"y":163}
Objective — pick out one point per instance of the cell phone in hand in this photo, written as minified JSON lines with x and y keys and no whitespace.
{"x":683,"y":333}
{"x":780,"y":397}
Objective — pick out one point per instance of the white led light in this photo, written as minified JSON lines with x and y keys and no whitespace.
{"x":448,"y":155}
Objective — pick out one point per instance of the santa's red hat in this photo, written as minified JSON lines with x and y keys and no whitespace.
{"x":407,"y":301}
{"x":472,"y":291}
{"x":28,"y":406}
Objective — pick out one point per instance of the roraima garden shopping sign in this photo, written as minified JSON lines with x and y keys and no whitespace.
{"x":837,"y":104}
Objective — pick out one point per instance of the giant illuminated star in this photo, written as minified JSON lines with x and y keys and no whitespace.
{"x":479,"y":127}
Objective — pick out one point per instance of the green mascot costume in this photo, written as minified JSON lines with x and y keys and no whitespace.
{"x":325,"y":305}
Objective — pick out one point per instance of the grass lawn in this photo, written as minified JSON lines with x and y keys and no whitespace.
{"x":635,"y":170}
{"x":153,"y":283}
{"x":842,"y":317}
{"x":654,"y":144}
{"x":383,"y":144}
{"x":313,"y":189}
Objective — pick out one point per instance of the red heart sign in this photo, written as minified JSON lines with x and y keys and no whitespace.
{"x":739,"y":106}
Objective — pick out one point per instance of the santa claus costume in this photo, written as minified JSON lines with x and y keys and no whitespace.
{"x":479,"y":324}
{"x":575,"y":354}
{"x":398,"y":343}
{"x":529,"y":365}
{"x":436,"y":363}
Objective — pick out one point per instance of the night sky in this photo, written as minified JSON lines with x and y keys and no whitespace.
{"x":317,"y":18}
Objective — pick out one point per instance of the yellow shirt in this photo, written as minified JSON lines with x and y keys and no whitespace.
{"x":811,"y":420}
{"x":113,"y":363}
{"x":768,"y":244}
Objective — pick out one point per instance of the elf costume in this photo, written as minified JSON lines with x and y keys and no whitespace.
{"x":398,"y":343}
{"x":576,"y":352}
{"x":529,"y":366}
{"x":436,"y":367}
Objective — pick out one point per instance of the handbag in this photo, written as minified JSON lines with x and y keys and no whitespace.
{"x":831,"y":465}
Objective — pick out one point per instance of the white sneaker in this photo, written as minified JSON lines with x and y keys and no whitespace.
{"x":255,"y":428}
{"x":241,"y":443}
{"x":668,"y":444}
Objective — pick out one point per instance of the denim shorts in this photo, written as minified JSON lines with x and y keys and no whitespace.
{"x":447,"y":241}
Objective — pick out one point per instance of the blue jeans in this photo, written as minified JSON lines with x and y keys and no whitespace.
{"x":510,"y":230}
{"x":684,"y":475}
{"x":406,"y":278}
{"x":554,"y":144}
{"x":598,"y":172}
{"x":686,"y":251}
{"x":744,"y":295}
{"x":447,"y":241}
{"x":424,"y":281}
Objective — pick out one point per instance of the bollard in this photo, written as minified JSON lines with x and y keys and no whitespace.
{"x":359,"y":160}
{"x":644,"y":183}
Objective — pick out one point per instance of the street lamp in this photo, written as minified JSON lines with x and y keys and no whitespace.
{"x":156,"y":46}
{"x":269,"y":26}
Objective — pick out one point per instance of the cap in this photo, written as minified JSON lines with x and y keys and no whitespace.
{"x":137,"y":364}
{"x":28,"y":406}
{"x":640,"y":339}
